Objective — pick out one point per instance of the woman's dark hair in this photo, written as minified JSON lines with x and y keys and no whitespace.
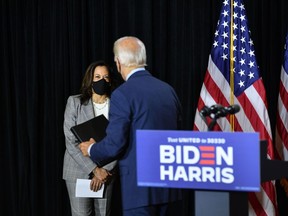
{"x":86,"y":87}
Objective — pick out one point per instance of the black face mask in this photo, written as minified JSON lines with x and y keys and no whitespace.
{"x":101,"y":87}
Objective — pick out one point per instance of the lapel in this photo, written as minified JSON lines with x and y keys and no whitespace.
{"x":87,"y":111}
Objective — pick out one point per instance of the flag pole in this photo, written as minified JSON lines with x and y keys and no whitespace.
{"x":231,"y":64}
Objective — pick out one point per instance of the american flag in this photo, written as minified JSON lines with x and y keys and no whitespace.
{"x":233,"y":77}
{"x":281,"y":135}
{"x":282,"y":121}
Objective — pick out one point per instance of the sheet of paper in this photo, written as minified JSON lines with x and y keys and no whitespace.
{"x":83,"y":189}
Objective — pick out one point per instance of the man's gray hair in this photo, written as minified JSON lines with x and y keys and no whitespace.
{"x":130,"y":51}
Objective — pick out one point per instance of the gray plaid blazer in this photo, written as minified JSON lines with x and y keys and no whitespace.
{"x":75,"y":164}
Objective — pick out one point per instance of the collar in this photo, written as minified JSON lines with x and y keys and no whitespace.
{"x":134,"y":71}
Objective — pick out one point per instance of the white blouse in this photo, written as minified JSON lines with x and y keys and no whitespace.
{"x":102,"y":108}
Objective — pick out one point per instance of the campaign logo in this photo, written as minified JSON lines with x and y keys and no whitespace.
{"x":200,"y":163}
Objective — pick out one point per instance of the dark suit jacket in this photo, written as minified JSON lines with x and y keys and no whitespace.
{"x":142,"y":102}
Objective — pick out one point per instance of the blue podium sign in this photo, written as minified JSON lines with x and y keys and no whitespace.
{"x":199,"y":160}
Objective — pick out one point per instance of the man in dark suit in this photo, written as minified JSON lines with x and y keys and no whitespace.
{"x":141,"y":102}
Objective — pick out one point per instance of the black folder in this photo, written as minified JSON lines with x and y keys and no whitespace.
{"x":94,"y":128}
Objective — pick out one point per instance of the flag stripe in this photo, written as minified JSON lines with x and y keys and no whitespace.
{"x":281,"y":127}
{"x":256,"y":205}
{"x":283,"y":89}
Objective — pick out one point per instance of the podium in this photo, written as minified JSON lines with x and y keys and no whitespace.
{"x":226,"y":203}
{"x":171,"y":151}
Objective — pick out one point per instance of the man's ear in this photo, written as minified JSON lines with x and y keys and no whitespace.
{"x":118,"y":65}
{"x":118,"y":61}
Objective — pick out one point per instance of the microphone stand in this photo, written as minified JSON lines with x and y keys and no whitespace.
{"x":220,"y":198}
{"x":212,"y":123}
{"x":218,"y":111}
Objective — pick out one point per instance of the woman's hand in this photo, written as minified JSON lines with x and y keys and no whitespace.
{"x":101,"y":176}
{"x":95,"y":184}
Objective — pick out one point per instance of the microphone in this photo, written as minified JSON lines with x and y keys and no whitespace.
{"x":232,"y":109}
{"x":204,"y":111}
{"x":219,"y":111}
{"x":215,"y":108}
